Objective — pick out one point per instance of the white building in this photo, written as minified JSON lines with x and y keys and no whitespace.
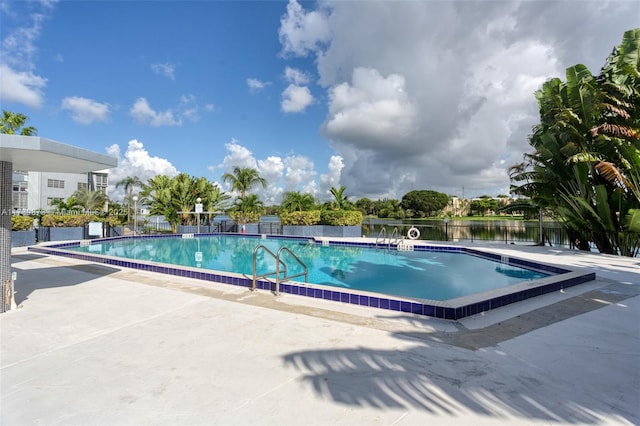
{"x":33,"y":153}
{"x":36,"y":190}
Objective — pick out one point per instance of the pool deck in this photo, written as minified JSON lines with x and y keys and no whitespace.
{"x":100,"y":345}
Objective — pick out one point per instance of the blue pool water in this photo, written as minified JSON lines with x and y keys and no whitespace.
{"x":420,"y":274}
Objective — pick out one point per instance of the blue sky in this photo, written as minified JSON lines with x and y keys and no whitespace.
{"x":382,"y":97}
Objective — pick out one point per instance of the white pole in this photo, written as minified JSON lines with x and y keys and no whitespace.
{"x":198,"y":209}
{"x":135,"y":216}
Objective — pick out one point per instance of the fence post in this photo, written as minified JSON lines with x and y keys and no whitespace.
{"x":540,"y":225}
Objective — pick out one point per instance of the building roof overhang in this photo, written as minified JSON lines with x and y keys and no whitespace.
{"x":33,"y":153}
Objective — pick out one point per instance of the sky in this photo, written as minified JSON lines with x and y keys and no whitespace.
{"x":381,"y":97}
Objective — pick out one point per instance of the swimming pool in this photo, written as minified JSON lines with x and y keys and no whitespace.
{"x":441,"y":281}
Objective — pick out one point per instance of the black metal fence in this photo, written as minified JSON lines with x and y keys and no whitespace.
{"x":530,"y":233}
{"x":486,"y":231}
{"x":507,"y":234}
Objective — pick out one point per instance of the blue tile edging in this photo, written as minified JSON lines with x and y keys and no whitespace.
{"x":453,"y":309}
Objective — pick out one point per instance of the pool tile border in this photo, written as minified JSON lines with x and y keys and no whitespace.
{"x":452,"y":309}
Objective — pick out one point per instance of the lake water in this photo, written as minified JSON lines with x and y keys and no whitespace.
{"x":506,"y":231}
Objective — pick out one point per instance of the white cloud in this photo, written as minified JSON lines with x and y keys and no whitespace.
{"x":136,"y":162}
{"x":166,"y":70}
{"x":331,"y":179}
{"x":189,"y":108}
{"x":142,"y":112}
{"x":86,"y":111}
{"x":18,"y":80}
{"x":299,"y":170}
{"x":18,"y":46}
{"x":271,"y":169}
{"x":371,"y":112}
{"x":237,"y":155}
{"x":296,"y":76}
{"x":302,"y":32}
{"x":440,"y":95}
{"x":256,"y":85}
{"x":21,"y":86}
{"x":296,"y":98}
{"x":283,"y":174}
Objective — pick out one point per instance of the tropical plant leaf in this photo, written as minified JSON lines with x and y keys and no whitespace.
{"x":633,"y":220}
{"x":583,"y":157}
{"x":629,"y":56}
{"x":581,"y":94}
{"x":611,"y":173}
{"x":603,"y":208}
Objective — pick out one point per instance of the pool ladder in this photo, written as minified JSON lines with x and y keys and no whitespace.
{"x":279,"y":263}
{"x":395,"y":237}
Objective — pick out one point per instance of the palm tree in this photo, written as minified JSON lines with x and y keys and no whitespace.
{"x":129,"y":183}
{"x":586,"y":159}
{"x":158,"y":191}
{"x":66,"y":206}
{"x":212,"y":196}
{"x":243,"y":179}
{"x":296,"y":201}
{"x":11,"y":123}
{"x":169,"y":196}
{"x":247,"y":209}
{"x":341,"y":201}
{"x":90,"y":200}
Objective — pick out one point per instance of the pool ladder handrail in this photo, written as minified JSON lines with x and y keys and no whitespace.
{"x":277,"y":272}
{"x":398,"y":238}
{"x":382,"y":237}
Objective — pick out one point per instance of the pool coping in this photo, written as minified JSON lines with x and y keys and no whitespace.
{"x":452,"y":309}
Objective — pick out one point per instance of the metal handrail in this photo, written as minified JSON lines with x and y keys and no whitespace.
{"x":382,"y":234}
{"x":382,"y":237}
{"x":277,"y":272}
{"x":288,"y":277}
{"x":255,"y":276}
{"x":398,"y":238}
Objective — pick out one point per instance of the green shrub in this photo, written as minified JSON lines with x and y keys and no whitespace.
{"x":307,"y":218}
{"x":68,"y":220}
{"x":112,"y":220}
{"x":21,"y":223}
{"x":341,"y":217}
{"x":245,"y":217}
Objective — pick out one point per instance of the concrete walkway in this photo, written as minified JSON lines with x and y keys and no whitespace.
{"x":96,"y":345}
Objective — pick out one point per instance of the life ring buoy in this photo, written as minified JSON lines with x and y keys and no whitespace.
{"x":413,"y":233}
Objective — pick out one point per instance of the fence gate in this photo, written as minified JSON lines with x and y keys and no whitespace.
{"x":43,"y":234}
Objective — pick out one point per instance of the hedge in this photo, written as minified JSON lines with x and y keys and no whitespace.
{"x":341,"y":217}
{"x":68,"y":220}
{"x":307,"y":218}
{"x":21,"y":223}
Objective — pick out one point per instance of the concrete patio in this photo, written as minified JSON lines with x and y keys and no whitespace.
{"x":93,"y":344}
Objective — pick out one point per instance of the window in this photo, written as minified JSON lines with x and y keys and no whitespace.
{"x":20,"y":186}
{"x":19,"y":200}
{"x":101,"y":180}
{"x":82,"y":185}
{"x":55,"y":183}
{"x":19,"y":194}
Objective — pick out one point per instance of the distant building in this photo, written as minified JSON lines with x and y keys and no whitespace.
{"x":36,"y":190}
{"x":456,"y":207}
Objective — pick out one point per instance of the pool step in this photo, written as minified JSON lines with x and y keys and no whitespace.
{"x":404,"y":245}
